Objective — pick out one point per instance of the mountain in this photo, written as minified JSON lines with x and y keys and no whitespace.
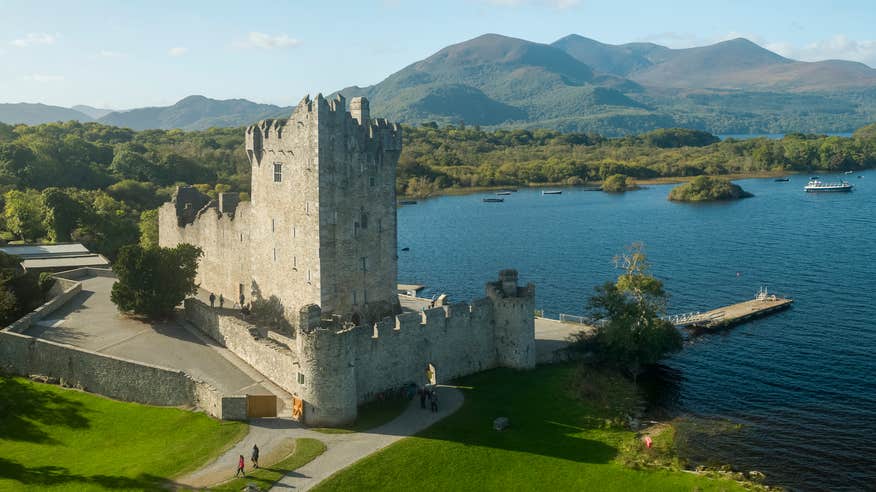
{"x":195,"y":113}
{"x":34,"y":114}
{"x":92,"y":111}
{"x":494,"y":79}
{"x":735,"y":64}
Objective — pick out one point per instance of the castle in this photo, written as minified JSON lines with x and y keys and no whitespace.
{"x":316,"y":245}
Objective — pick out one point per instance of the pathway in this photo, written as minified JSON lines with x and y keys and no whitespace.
{"x":342,"y":450}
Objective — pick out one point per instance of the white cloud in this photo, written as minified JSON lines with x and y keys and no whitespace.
{"x":266,"y":41}
{"x":839,"y":47}
{"x":177,"y":51}
{"x":43,"y":78}
{"x":35,"y":39}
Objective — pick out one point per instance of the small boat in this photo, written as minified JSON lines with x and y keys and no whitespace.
{"x":406,"y":249}
{"x":407,"y":202}
{"x":494,"y":200}
{"x":816,"y":186}
{"x":552,"y":192}
{"x":782,"y":179}
{"x":814,"y":177}
{"x":502,"y":193}
{"x":849,"y":172}
{"x":860,"y":177}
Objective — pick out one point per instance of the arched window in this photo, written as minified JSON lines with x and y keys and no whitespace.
{"x":363,"y":218}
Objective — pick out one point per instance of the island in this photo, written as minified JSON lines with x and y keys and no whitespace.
{"x":618,"y":183}
{"x":707,"y":189}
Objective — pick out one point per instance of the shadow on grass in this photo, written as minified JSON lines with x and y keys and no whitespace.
{"x":24,"y":405}
{"x":57,"y":475}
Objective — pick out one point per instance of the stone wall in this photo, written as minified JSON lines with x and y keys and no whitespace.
{"x":60,"y":293}
{"x":268,"y":357}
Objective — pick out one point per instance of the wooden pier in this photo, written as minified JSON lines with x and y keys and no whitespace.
{"x":762,"y":305}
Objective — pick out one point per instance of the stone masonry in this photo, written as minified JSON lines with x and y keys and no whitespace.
{"x":317,"y":243}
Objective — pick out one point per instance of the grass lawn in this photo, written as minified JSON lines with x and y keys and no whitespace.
{"x":57,"y":439}
{"x":263,"y":478}
{"x":370,"y":415}
{"x":556,"y":442}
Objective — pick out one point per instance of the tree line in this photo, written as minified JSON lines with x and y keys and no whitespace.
{"x":100,"y":184}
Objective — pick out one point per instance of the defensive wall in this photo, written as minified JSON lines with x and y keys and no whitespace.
{"x":103,"y":374}
{"x":334,"y":366}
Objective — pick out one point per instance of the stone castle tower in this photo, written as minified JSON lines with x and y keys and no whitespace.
{"x":323,"y":212}
{"x":317,"y":242}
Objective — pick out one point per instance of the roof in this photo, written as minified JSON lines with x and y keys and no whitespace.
{"x":65,"y":256}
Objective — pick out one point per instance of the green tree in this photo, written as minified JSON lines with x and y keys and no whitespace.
{"x":61,"y":214}
{"x":617,"y":183}
{"x":23,"y":214}
{"x":632,"y":334}
{"x":149,"y":228}
{"x":153,"y":281}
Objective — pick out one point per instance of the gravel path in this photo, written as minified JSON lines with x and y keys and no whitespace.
{"x":272,"y":437}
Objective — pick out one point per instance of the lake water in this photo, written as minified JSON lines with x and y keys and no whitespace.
{"x":802,"y":382}
{"x":774,"y":136}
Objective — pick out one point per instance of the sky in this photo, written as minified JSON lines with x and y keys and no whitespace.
{"x":136,"y":53}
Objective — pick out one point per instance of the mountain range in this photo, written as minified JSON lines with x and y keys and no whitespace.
{"x":574,"y":83}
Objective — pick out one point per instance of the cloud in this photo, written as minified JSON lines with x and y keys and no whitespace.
{"x":266,"y":41}
{"x":35,"y":39}
{"x":177,"y":51}
{"x":554,"y":4}
{"x":43,"y":78}
{"x":839,"y":47}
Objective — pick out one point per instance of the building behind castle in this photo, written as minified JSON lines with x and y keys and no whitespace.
{"x":317,"y":244}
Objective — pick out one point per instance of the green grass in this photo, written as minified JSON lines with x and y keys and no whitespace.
{"x":556,"y":442}
{"x":263,"y":478}
{"x":372,"y":414}
{"x":58,"y":439}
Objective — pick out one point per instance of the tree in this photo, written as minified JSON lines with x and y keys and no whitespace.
{"x":149,"y":228}
{"x":153,"y":281}
{"x":23,"y":213}
{"x":632,"y":334}
{"x":61,"y":214}
{"x":618,"y":183}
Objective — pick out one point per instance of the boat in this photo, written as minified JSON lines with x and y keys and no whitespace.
{"x":849,"y":172}
{"x":782,"y":179}
{"x":816,"y":186}
{"x":502,"y":193}
{"x":494,"y":200}
{"x":814,"y":177}
{"x":552,"y":192}
{"x":407,"y":202}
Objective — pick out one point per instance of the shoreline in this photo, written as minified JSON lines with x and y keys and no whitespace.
{"x":458,"y":191}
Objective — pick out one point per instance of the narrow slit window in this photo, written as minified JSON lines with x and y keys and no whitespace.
{"x":278,"y":172}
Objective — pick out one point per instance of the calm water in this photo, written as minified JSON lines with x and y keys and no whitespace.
{"x":774,"y":136}
{"x":802,"y":382}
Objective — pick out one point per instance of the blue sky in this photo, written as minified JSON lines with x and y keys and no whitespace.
{"x":142,"y":53}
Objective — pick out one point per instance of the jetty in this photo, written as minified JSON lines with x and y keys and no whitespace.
{"x":763,"y":304}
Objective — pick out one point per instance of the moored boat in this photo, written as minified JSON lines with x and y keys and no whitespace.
{"x":782,"y":179}
{"x":494,"y":200}
{"x":502,"y":193}
{"x":552,"y":192}
{"x":816,"y":186}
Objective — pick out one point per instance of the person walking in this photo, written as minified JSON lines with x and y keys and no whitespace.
{"x":212,"y":300}
{"x":240,"y":468}
{"x":221,"y":301}
{"x":242,"y":300}
{"x":255,"y":456}
{"x":434,"y":403}
{"x":423,"y":398}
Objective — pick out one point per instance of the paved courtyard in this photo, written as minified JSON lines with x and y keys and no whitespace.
{"x":91,"y":321}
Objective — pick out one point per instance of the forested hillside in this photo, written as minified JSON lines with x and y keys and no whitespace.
{"x":101,"y":184}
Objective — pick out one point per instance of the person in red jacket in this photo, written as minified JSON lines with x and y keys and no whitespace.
{"x":240,"y":469}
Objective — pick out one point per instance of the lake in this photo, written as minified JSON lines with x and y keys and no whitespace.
{"x":802,"y":383}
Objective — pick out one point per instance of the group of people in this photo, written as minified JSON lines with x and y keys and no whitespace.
{"x":431,"y":395}
{"x":241,"y":464}
{"x":243,"y":307}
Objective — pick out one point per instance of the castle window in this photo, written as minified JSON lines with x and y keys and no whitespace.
{"x":300,"y":378}
{"x":308,"y":275}
{"x":293,"y":231}
{"x":278,"y":172}
{"x":306,"y":208}
{"x":355,"y":229}
{"x":379,"y":225}
{"x":295,"y":263}
{"x":364,"y":263}
{"x":371,"y":181}
{"x":363,"y":219}
{"x":275,"y":254}
{"x":241,"y":237}
{"x":272,"y":225}
{"x":354,"y":297}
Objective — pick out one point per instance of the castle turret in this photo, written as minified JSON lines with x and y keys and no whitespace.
{"x":327,"y":377}
{"x":360,"y":110}
{"x":514,"y":317}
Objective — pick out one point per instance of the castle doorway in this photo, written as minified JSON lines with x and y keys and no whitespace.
{"x":431,"y":374}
